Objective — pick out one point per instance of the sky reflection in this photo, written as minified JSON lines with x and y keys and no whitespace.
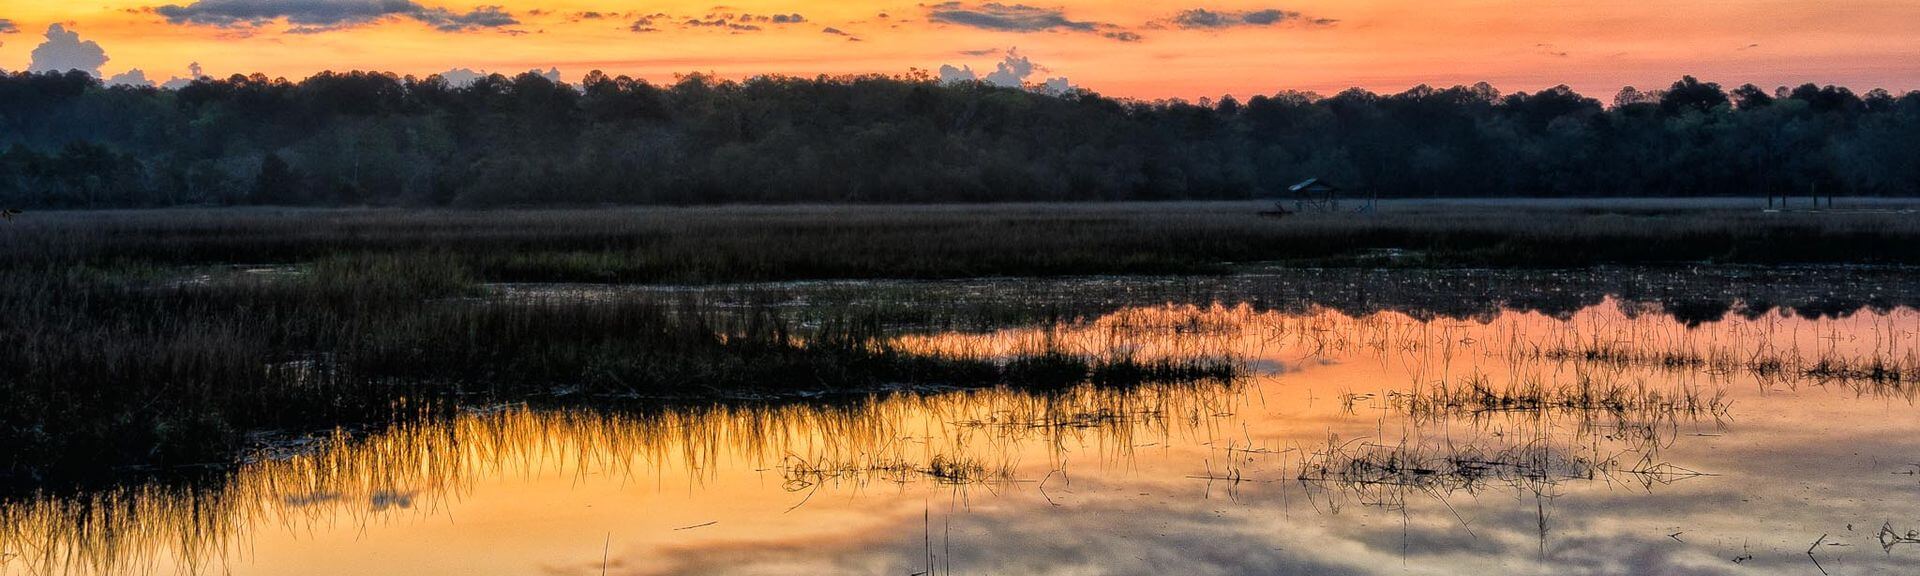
{"x":1602,"y":442}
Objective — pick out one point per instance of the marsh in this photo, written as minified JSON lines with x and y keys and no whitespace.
{"x":1397,"y":287}
{"x":381,"y":394}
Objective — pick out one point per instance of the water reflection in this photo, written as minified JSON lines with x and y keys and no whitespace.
{"x":1690,"y":295}
{"x":1609,"y":440}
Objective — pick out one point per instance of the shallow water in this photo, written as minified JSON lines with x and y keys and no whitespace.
{"x":1609,"y":437}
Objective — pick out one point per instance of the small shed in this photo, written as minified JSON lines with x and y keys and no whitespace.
{"x":1312,"y":195}
{"x":1315,"y":194}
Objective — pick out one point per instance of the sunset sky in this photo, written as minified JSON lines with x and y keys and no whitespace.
{"x":1144,"y":49}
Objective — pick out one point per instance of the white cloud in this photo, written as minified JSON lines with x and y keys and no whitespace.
{"x":952,"y":75}
{"x":135,"y":77}
{"x":194,"y":72}
{"x":462,"y":77}
{"x":64,"y":50}
{"x":1012,"y":71}
{"x":1057,"y":86}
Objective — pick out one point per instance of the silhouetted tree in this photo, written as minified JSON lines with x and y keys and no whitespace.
{"x":373,"y":138}
{"x":1691,"y":95}
{"x":1750,"y":97}
{"x":276,"y":183}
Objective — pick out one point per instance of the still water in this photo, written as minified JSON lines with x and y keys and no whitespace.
{"x":1608,"y":435}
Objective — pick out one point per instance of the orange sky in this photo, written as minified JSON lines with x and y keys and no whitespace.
{"x":1131,"y":49}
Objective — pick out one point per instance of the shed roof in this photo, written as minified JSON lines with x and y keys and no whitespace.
{"x":1311,"y":183}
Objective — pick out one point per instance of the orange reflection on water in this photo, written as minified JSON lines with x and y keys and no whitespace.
{"x":1516,"y":443}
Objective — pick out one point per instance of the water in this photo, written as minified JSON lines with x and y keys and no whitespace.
{"x":1605,"y":436}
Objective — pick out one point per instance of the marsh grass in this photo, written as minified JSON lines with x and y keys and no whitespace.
{"x":162,"y":338}
{"x":1585,"y":392}
{"x":787,"y":243}
{"x":1384,"y":475}
{"x":1894,"y":373}
{"x":801,"y":475}
{"x":131,"y":371}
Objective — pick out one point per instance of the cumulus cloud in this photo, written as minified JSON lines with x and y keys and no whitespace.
{"x":838,"y":32}
{"x":135,"y":78}
{"x":461,"y":77}
{"x":194,"y":72}
{"x":464,"y":77}
{"x":1204,"y":19}
{"x":8,"y":27}
{"x":316,"y":16}
{"x":949,"y":74}
{"x":1057,"y":86}
{"x":64,"y":50}
{"x":1012,"y":72}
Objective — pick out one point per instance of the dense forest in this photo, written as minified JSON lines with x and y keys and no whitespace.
{"x":379,"y":139}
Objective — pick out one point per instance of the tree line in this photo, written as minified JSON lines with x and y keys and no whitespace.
{"x":362,"y":138}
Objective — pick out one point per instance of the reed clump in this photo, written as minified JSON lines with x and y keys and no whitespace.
{"x":1585,"y":392}
{"x":802,"y":475}
{"x":1383,"y":474}
{"x":1884,"y":373}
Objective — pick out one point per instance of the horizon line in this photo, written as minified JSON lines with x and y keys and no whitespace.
{"x":555,"y":75}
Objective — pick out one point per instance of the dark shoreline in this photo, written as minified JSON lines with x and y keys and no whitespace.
{"x":781,"y":243}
